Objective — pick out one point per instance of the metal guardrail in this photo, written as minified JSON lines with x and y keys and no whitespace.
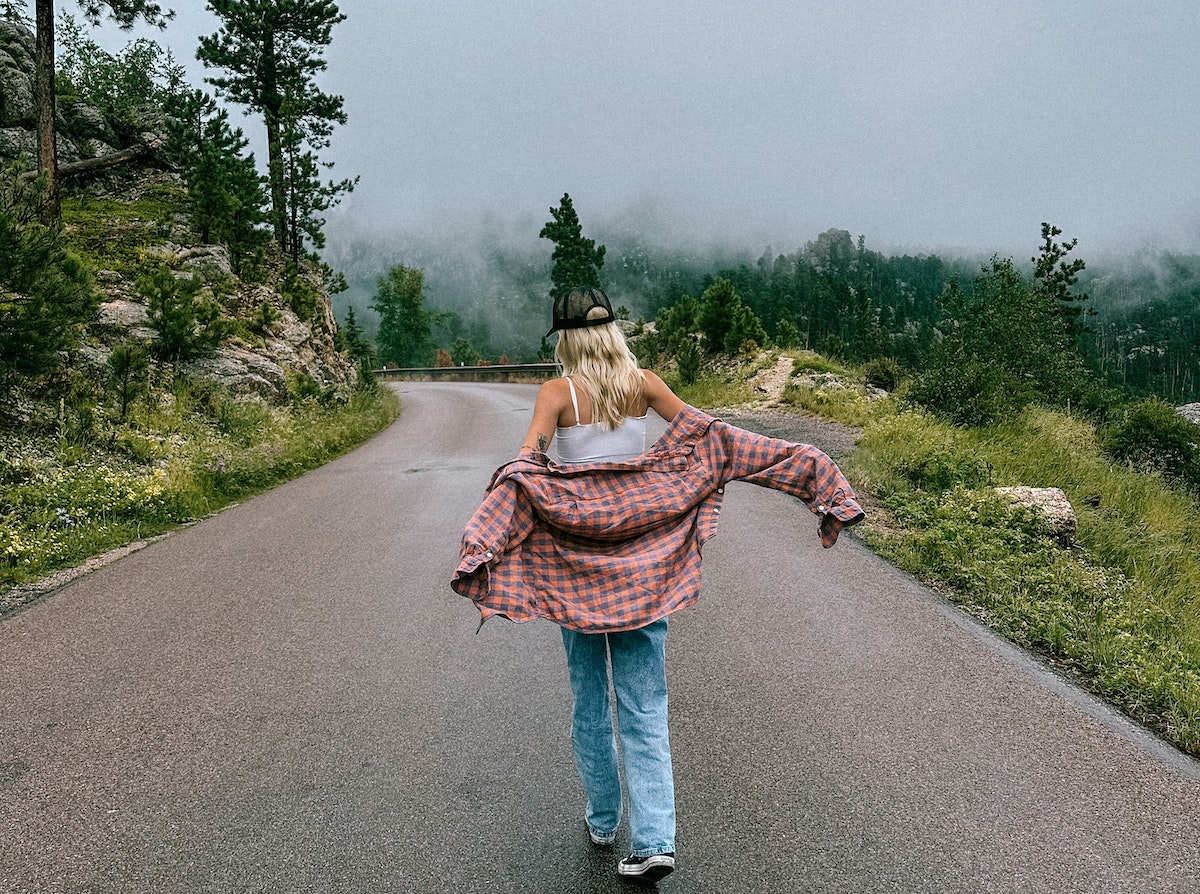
{"x":508,"y":372}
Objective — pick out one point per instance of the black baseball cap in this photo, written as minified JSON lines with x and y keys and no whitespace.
{"x":571,"y":309}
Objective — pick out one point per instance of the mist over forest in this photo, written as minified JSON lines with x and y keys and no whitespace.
{"x":493,"y":273}
{"x":847,"y":298}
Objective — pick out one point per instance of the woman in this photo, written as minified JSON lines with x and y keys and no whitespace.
{"x":597,"y":411}
{"x":607,"y":544}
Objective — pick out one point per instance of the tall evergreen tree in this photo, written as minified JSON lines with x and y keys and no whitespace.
{"x":1056,"y":277}
{"x":124,"y":13}
{"x":577,"y":261}
{"x":272,"y":51}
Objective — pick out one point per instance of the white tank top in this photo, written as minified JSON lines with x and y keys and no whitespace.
{"x":593,"y":443}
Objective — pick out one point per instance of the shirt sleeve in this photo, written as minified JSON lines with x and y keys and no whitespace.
{"x":797,"y":469}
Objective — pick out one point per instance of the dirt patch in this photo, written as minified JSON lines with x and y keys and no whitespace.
{"x":768,"y":384}
{"x":792,"y":425}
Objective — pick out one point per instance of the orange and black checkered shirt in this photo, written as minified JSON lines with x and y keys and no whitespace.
{"x":616,"y":545}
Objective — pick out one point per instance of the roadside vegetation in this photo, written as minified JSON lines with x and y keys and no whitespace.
{"x":1118,"y":610}
{"x":95,"y":457}
{"x":108,"y":432}
{"x":181,"y":454}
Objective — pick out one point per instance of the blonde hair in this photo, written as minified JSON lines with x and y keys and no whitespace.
{"x":599,"y":361}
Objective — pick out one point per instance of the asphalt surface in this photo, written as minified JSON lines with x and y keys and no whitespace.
{"x":288,"y":697}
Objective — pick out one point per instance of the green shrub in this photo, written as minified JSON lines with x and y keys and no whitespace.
{"x":883,"y":372}
{"x":922,"y":454}
{"x":1151,"y":436}
{"x":1119,"y":608}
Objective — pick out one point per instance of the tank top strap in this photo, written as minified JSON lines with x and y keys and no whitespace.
{"x":574,"y":402}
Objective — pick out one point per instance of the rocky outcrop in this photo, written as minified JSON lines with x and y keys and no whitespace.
{"x":255,"y":363}
{"x":269,"y":348}
{"x":826,"y":381}
{"x":1049,"y":502}
{"x":82,"y":130}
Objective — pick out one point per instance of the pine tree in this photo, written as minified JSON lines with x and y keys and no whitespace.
{"x":577,"y":261}
{"x":224,"y":188}
{"x":358,"y":345}
{"x":1056,"y":277}
{"x":46,"y":293}
{"x":272,"y":50}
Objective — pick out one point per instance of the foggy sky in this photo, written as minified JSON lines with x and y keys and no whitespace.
{"x":924,"y":125}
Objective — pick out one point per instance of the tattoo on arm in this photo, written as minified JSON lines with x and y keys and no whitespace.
{"x":543,"y":443}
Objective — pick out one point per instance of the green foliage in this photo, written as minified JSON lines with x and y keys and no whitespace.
{"x":577,"y":261}
{"x":687,"y":360}
{"x":1119,"y":608}
{"x":309,"y":126}
{"x":114,"y":235}
{"x":922,"y":455}
{"x":357,"y":344}
{"x":1151,"y":437}
{"x":1056,"y":278}
{"x":676,"y":324}
{"x":1145,"y":337}
{"x":264,"y":317}
{"x":46,"y":293}
{"x":225,"y":192}
{"x":883,"y":372}
{"x":463,"y":353}
{"x":787,"y":335}
{"x":128,"y":366}
{"x":173,"y":461}
{"x":405,"y":323}
{"x":710,"y":389}
{"x":303,"y":298}
{"x":186,"y":325}
{"x":271,"y":51}
{"x":126,"y":12}
{"x":1004,"y":348}
{"x":127,"y":87}
{"x":728,"y":325}
{"x":847,"y":405}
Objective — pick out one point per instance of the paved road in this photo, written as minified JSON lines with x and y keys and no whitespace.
{"x":288,"y":698}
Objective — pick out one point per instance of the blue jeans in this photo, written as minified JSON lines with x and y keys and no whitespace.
{"x":640,"y":682}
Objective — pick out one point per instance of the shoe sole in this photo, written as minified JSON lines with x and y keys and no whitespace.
{"x":653,"y":873}
{"x":601,"y":842}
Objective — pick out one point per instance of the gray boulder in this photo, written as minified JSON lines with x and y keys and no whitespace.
{"x":1051,"y":503}
{"x":17,"y":105}
{"x":243,"y":373}
{"x":1190,"y":412}
{"x":17,"y":141}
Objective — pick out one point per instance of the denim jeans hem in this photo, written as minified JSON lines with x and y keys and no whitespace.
{"x":653,"y":851}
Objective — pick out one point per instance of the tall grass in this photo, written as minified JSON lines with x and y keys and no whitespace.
{"x":183,"y":455}
{"x":1119,"y":608}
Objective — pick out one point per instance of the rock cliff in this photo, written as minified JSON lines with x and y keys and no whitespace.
{"x":261,"y":356}
{"x":82,"y":130}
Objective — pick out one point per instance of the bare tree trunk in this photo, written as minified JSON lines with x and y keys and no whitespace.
{"x":272,"y":108}
{"x":44,"y":87}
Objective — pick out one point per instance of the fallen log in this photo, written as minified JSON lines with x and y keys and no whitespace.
{"x":88,"y":165}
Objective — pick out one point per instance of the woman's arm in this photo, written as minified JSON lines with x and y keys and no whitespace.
{"x":552,"y":398}
{"x":661,"y":398}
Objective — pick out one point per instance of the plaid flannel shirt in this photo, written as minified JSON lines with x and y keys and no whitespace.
{"x":616,"y":545}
